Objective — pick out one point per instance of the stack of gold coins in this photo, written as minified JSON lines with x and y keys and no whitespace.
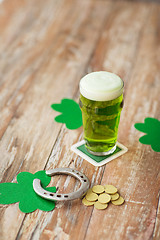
{"x":100,"y":196}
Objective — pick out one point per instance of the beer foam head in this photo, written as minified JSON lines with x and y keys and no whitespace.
{"x":101,"y":86}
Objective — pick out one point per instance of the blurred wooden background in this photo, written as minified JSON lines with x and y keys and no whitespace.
{"x":45,"y":48}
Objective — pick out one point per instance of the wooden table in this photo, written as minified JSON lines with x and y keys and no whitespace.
{"x":45,"y":48}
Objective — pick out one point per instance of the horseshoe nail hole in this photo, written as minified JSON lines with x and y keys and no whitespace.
{"x":51,"y":194}
{"x":81,"y":176}
{"x":85,"y":180}
{"x":66,"y":196}
{"x":58,"y":195}
{"x":45,"y":193}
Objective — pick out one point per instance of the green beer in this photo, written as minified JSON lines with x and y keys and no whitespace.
{"x":101,"y":102}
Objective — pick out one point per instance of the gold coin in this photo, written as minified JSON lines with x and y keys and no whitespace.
{"x":110,"y":189}
{"x":89,"y":190}
{"x":99,"y":205}
{"x":119,"y":201}
{"x":104,"y":198}
{"x":87,"y":203}
{"x":91,"y":196}
{"x":98,"y":189}
{"x":114,"y":196}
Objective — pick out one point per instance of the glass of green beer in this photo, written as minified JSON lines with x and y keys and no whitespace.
{"x":101,"y":102}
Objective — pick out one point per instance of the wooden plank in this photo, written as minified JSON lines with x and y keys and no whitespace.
{"x":156,"y":234}
{"x":22,"y":32}
{"x":72,"y":219}
{"x":29,"y":137}
{"x":136,"y":173}
{"x":61,"y":58}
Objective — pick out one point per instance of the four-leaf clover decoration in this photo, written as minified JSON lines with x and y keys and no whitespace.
{"x":70,"y":113}
{"x":23,"y":192}
{"x":151,"y":127}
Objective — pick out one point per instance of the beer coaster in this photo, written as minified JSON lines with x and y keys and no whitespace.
{"x":98,"y":161}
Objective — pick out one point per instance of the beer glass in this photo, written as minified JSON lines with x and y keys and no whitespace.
{"x":101,"y":102}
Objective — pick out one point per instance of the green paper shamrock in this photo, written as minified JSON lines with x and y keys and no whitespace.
{"x":23,"y":192}
{"x":151,"y":127}
{"x":71,"y":113}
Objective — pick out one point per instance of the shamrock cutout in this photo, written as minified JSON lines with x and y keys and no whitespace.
{"x":151,"y":127}
{"x":71,"y":113}
{"x":23,"y":192}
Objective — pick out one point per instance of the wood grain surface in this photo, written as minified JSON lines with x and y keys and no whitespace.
{"x":45,"y":48}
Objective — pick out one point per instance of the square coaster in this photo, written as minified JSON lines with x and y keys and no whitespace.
{"x":79,"y":149}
